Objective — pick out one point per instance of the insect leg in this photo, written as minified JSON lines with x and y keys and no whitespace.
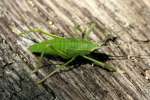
{"x":41,"y":56}
{"x":88,"y":30}
{"x":63,"y":67}
{"x":58,"y":69}
{"x":41,"y":31}
{"x":77,"y":29}
{"x":73,"y":58}
{"x":103,"y":65}
{"x":85,"y":32}
{"x":49,"y":75}
{"x":39,"y":66}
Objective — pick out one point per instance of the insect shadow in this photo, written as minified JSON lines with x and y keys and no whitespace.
{"x":47,"y":61}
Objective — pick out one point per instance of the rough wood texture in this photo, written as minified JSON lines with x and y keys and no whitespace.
{"x":127,"y":19}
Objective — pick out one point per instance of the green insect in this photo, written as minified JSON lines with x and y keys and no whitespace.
{"x":68,"y":48}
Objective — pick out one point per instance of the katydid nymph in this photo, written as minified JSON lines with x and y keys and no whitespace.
{"x":68,"y":48}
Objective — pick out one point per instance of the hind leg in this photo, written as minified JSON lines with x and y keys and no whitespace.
{"x":40,"y":31}
{"x":103,"y":65}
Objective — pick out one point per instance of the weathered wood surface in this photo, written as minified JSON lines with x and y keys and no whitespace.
{"x":127,"y":19}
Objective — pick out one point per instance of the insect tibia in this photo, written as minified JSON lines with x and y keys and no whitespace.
{"x":40,"y":31}
{"x":58,"y":69}
{"x":49,"y":75}
{"x":103,"y":65}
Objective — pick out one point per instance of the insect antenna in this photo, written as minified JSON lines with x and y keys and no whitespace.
{"x":129,"y":57}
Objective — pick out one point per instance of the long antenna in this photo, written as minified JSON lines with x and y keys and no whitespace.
{"x":129,"y":57}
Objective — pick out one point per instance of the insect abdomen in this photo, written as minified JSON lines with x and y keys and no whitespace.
{"x":43,"y":47}
{"x":74,"y":47}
